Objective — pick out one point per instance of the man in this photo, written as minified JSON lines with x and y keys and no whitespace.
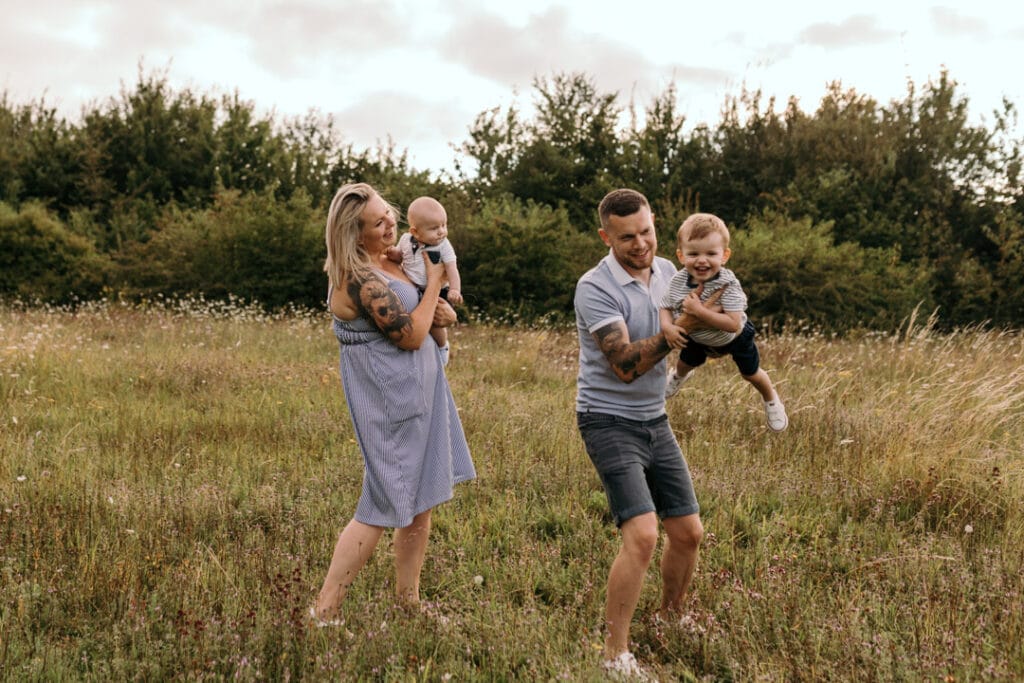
{"x":620,"y":404}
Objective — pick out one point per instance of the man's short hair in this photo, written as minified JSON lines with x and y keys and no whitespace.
{"x":621,"y":202}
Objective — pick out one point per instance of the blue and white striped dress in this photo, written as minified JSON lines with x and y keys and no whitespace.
{"x":405,"y":420}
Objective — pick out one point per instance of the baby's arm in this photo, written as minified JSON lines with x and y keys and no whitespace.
{"x":394,"y":254}
{"x":454,"y":283}
{"x":673,"y":333}
{"x":728,"y":321}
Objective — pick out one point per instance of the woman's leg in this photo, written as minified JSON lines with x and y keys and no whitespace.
{"x":353,"y":549}
{"x":410,"y":551}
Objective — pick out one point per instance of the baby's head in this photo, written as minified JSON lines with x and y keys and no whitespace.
{"x":703,"y":245}
{"x":428,"y":221}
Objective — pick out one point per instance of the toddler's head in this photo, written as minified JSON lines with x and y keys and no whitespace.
{"x":428,"y":221}
{"x":703,"y":247}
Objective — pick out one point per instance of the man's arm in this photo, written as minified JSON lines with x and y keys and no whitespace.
{"x":627,"y":359}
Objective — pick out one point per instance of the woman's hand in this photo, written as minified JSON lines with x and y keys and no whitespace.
{"x":444,"y":314}
{"x":435,"y":271}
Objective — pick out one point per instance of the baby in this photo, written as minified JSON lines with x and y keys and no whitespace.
{"x":428,"y":231}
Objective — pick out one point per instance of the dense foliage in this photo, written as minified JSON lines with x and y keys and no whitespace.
{"x":848,"y":216}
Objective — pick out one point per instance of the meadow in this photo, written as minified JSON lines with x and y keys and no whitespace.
{"x":173,"y":478}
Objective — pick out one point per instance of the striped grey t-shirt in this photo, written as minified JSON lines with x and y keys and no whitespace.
{"x":733,"y":299}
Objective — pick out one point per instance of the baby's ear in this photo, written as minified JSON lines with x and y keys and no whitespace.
{"x":726,"y":254}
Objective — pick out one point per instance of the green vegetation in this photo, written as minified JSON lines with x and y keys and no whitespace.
{"x":173,"y":477}
{"x":157,"y":191}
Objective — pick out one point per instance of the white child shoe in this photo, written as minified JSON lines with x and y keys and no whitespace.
{"x":674,"y":382}
{"x":775,"y":415}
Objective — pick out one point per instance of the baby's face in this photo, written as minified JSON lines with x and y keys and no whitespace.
{"x":430,"y":227}
{"x":703,"y":257}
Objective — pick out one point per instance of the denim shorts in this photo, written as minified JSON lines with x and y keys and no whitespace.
{"x":742,"y":349}
{"x":640,"y":465}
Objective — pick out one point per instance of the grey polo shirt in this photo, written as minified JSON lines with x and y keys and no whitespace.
{"x":604,"y":294}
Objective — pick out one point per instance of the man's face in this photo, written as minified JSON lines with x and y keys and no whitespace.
{"x":632,"y":240}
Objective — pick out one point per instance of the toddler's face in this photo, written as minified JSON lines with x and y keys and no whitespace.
{"x":703,"y":257}
{"x":430,"y":229}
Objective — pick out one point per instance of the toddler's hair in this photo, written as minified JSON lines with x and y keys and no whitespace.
{"x":699,"y":225}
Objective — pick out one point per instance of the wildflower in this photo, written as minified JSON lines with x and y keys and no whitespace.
{"x":968,"y":529}
{"x":845,"y":442}
{"x":22,"y":477}
{"x":478,"y":580}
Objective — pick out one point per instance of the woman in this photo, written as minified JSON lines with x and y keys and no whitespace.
{"x":406,"y":424}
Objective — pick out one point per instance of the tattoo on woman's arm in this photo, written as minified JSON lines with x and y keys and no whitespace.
{"x":382,"y":307}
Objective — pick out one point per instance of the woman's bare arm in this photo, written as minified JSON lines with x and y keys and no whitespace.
{"x":381,"y":306}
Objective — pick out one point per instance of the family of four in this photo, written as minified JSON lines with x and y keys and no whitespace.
{"x":632,"y":310}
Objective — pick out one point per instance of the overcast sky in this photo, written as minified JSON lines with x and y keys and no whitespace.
{"x":420,"y":71}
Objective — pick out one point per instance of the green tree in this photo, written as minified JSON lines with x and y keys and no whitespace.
{"x":251,"y":246}
{"x":249,"y":154}
{"x":793,"y":271}
{"x":567,"y":156}
{"x":522,"y":258}
{"x":41,"y":259}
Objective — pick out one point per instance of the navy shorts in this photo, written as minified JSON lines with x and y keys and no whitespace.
{"x":742,"y":349}
{"x":640,"y":465}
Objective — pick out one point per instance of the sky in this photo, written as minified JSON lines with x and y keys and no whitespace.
{"x":417,"y":73}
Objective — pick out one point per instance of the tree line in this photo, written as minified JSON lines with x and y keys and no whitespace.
{"x":850,"y":216}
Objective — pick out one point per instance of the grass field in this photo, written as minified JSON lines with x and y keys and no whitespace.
{"x":172,"y":481}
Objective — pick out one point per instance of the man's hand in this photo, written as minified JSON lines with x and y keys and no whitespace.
{"x":674,"y":336}
{"x":690,"y":322}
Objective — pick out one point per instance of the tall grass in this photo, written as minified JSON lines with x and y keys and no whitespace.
{"x":172,"y":481}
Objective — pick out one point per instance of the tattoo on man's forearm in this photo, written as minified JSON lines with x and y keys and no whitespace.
{"x":627,"y":358}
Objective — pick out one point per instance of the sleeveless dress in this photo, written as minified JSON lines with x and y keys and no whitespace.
{"x":406,"y":423}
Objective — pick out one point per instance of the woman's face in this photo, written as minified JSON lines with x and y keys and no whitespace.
{"x":378,"y":231}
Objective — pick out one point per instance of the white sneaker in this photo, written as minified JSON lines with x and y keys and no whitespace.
{"x":625,"y":667}
{"x":674,"y":382}
{"x":323,"y":623}
{"x":775,"y":415}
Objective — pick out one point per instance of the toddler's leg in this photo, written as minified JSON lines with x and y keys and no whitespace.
{"x":677,"y":376}
{"x":763,"y":384}
{"x":774,"y":411}
{"x":440,"y":335}
{"x":682,"y":369}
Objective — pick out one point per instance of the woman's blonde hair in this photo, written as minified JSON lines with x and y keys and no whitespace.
{"x":346,"y":257}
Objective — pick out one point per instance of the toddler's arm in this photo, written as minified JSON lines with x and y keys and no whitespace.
{"x":673,"y":333}
{"x":454,"y":283}
{"x":394,"y":254}
{"x":728,"y":321}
